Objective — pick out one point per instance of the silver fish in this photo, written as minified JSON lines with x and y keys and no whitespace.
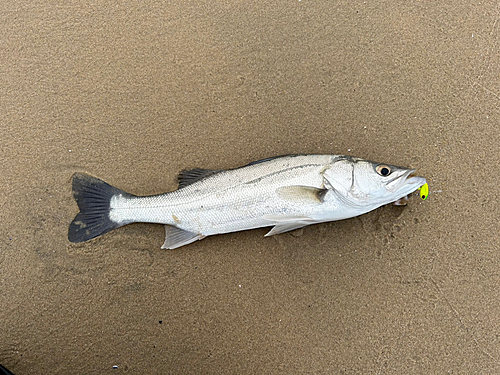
{"x":285,"y":192}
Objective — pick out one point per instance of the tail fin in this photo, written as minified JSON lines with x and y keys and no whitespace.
{"x":93,"y":197}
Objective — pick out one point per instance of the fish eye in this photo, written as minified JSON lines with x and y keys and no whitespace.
{"x":383,"y":170}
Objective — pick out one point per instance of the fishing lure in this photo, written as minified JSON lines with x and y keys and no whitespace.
{"x":424,"y":191}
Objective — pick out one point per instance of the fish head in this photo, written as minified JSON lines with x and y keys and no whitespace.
{"x":367,"y":185}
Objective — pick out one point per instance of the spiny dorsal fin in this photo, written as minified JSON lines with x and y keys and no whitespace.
{"x":271,"y":158}
{"x":188,"y":177}
{"x":301,"y":194}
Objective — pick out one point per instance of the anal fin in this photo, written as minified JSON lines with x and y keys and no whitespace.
{"x":177,"y":237}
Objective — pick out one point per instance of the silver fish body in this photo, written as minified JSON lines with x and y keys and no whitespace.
{"x":286,"y":192}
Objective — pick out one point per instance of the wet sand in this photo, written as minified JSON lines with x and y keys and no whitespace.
{"x":134,"y":93}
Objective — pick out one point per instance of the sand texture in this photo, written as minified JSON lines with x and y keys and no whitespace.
{"x":134,"y":92}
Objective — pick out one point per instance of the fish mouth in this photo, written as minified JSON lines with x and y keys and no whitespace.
{"x":405,"y":184}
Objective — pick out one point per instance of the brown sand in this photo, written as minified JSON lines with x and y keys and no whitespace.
{"x":133,"y":93}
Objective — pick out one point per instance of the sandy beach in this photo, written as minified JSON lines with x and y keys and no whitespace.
{"x":133,"y":93}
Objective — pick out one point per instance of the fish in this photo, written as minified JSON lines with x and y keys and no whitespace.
{"x":284,"y":192}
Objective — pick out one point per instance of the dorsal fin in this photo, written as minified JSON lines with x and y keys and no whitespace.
{"x":271,"y":158}
{"x":188,"y":177}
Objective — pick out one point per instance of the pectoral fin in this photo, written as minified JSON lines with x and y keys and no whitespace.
{"x":301,"y":194}
{"x":177,"y":237}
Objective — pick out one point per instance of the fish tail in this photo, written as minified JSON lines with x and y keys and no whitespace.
{"x":93,"y":197}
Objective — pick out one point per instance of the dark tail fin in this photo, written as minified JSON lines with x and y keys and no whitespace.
{"x":4,"y":371}
{"x":93,"y":197}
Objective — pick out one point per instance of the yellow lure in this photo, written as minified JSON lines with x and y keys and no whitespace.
{"x":424,"y":191}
